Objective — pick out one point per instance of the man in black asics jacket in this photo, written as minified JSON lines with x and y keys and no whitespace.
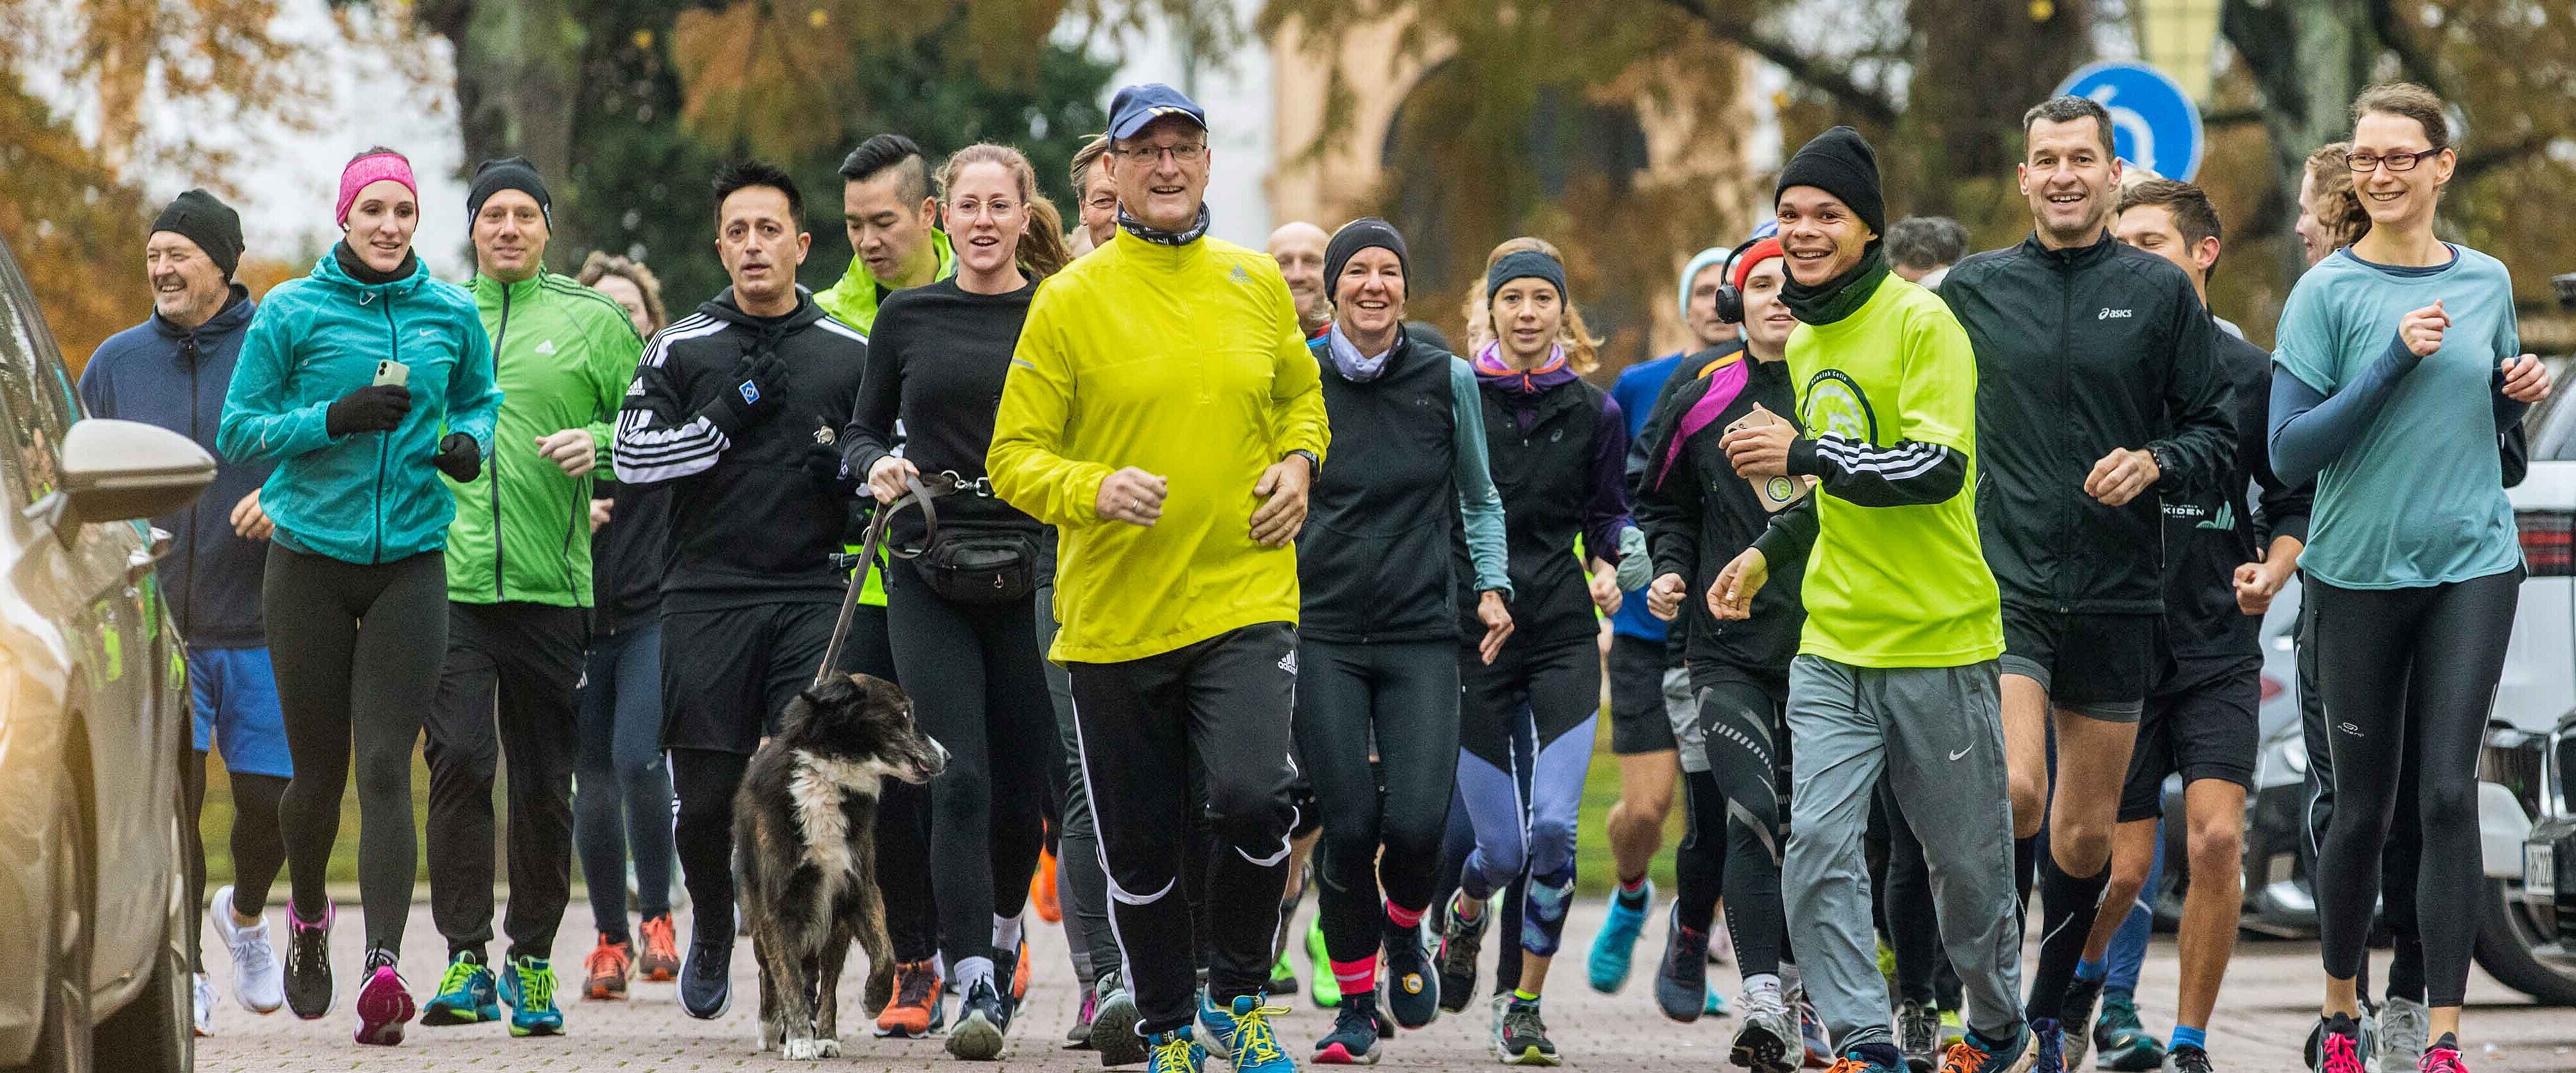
{"x":2096,"y":394}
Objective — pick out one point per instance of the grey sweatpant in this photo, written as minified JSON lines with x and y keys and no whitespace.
{"x":1937,"y":735}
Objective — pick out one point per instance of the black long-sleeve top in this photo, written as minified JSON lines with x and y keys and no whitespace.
{"x":935,"y":369}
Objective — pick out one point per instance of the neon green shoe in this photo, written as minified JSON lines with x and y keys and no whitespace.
{"x":1320,"y":985}
{"x":533,"y":1012}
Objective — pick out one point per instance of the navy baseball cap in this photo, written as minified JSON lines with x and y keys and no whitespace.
{"x":1135,"y":106}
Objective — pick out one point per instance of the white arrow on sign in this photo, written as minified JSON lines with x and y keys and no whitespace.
{"x":2142,"y":137}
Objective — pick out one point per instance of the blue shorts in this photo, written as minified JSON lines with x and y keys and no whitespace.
{"x":235,"y":698}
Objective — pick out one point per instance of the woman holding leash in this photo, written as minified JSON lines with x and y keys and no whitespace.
{"x":1558,"y":451}
{"x":346,"y":381}
{"x":962,"y":614}
{"x":1377,"y":645}
{"x":2399,"y":363}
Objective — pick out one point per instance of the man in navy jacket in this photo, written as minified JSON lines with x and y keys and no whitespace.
{"x":172,"y":370}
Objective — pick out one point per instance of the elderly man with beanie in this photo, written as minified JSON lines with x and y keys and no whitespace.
{"x":1653,"y":725}
{"x":1893,"y":678}
{"x":1163,"y":413}
{"x":171,"y":370}
{"x":518,"y":599}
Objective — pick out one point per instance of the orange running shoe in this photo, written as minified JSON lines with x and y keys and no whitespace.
{"x":1020,"y":974}
{"x":1042,"y":889}
{"x":660,"y":959}
{"x":916,"y":991}
{"x":608,"y":966}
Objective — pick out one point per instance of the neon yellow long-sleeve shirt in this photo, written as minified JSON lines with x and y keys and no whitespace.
{"x":1185,"y":362}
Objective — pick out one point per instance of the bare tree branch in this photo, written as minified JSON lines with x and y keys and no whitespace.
{"x":2489,"y":158}
{"x":2417,"y":64}
{"x":1832,"y":79}
{"x":2231,"y":117}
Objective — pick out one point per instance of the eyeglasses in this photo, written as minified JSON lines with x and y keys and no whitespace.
{"x":2363,"y":162}
{"x":1185,"y":153}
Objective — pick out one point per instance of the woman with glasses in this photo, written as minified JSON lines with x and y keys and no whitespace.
{"x":2398,"y":364}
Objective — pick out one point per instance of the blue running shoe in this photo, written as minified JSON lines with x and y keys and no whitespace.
{"x":532,"y":997}
{"x":2048,"y":1046}
{"x":1717,"y":1006}
{"x":1615,"y":947}
{"x":465,"y":994}
{"x":1174,"y":1052}
{"x":1216,"y":1028}
{"x":1254,"y":1044}
{"x":1681,"y":981}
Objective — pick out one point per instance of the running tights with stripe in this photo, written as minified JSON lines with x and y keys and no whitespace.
{"x":1744,"y":719}
{"x":1556,"y":690}
{"x":349,"y":689}
{"x":1403,"y":697}
{"x":2410,"y":677}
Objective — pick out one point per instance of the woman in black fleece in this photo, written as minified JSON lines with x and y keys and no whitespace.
{"x":969,"y":659}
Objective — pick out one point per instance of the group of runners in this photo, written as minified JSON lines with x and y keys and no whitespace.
{"x":1922,"y":576}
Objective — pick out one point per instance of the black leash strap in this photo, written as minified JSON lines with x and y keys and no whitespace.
{"x":916,"y":495}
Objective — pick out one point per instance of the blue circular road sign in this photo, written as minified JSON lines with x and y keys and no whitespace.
{"x":2153,"y":122}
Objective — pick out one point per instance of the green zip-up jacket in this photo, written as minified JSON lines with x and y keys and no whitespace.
{"x":853,"y":301}
{"x":563,"y":355}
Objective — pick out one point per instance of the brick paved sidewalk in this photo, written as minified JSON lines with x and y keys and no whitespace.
{"x":2263,"y":1017}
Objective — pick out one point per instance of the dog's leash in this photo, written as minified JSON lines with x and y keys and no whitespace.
{"x":919,"y":492}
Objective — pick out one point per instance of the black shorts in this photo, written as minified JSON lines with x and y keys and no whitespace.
{"x":2200,"y":721}
{"x":2093,"y":665}
{"x":1647,"y":686}
{"x":727,"y":674}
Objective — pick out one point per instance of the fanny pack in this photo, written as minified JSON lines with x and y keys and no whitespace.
{"x":988,"y":566}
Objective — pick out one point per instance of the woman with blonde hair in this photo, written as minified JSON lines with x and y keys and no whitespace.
{"x":963,"y":614}
{"x":2330,"y":212}
{"x":1557,"y":447}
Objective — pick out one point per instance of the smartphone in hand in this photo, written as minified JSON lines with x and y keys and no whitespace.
{"x":1775,"y":493}
{"x":394,"y":373}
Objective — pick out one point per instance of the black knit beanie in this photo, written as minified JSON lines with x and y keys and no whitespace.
{"x":209,"y":223}
{"x":1840,"y":162}
{"x":1527,"y":264}
{"x":508,"y":173}
{"x":1357,"y":235}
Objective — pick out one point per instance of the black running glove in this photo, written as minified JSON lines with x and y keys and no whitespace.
{"x":459,"y":457}
{"x":749,"y":396}
{"x":823,"y":463}
{"x":377,"y":408}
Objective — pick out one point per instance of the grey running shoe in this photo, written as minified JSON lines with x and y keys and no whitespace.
{"x":1768,"y":1042}
{"x":2404,"y":1025}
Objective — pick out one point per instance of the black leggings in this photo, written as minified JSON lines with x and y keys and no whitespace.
{"x":345,"y":686}
{"x":1404,"y":697}
{"x":258,"y":848}
{"x":1699,"y":862}
{"x":2410,"y":676}
{"x":2398,"y":859}
{"x":1745,"y":720}
{"x":973,"y":674}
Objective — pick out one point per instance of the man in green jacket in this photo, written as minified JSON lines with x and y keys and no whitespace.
{"x":518,"y":590}
{"x":895,"y":243}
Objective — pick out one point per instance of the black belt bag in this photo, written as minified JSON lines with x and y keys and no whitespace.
{"x":988,"y":566}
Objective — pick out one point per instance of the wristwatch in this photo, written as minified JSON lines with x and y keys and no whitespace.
{"x":2164,"y":467}
{"x":1314,"y":463}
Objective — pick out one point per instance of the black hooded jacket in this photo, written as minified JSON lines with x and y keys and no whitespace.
{"x":2082,"y":351}
{"x":1698,"y":515}
{"x":752,"y":522}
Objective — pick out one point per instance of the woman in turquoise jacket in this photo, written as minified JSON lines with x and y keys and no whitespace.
{"x":362,"y":382}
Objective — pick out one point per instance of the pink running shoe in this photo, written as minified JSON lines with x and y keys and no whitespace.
{"x":384,"y":1003}
{"x":2440,"y":1059}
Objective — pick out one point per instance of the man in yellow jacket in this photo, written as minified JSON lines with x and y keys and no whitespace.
{"x":1163,"y":413}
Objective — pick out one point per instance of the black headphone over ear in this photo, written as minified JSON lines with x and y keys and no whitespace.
{"x":1730,"y":302}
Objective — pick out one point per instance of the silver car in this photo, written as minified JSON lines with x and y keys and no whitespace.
{"x":94,"y":722}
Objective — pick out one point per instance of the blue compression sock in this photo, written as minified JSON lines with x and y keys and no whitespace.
{"x":2090,"y":971}
{"x":2185,"y":1036}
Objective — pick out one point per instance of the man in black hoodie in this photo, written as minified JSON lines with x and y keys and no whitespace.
{"x":738,"y":406}
{"x":2096,"y":395}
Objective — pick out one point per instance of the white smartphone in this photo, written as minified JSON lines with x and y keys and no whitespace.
{"x":394,"y":373}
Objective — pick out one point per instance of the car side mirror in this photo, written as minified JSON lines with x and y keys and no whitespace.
{"x":116,"y":471}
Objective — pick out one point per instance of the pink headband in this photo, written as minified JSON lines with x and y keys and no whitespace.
{"x":368,"y":169}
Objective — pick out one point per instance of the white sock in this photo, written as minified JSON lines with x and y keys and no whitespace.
{"x":1006,"y":933}
{"x":1762,"y":981}
{"x":972,"y":970}
{"x":1790,"y":980}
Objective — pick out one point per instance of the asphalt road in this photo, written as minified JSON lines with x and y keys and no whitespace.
{"x":2264,"y":1015}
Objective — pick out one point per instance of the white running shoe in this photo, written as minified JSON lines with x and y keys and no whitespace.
{"x":259,"y":980}
{"x":205,"y":1015}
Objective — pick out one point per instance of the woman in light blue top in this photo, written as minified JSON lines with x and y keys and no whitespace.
{"x":2398,"y":365}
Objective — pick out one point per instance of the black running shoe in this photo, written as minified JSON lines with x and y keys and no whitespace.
{"x":2075,"y":1019}
{"x":1353,"y":1040}
{"x":982,"y":1020}
{"x":1460,"y":942}
{"x":2190,"y":1059}
{"x":706,"y":976}
{"x":308,"y":964}
{"x":1412,"y":987}
{"x":1918,"y":1035}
